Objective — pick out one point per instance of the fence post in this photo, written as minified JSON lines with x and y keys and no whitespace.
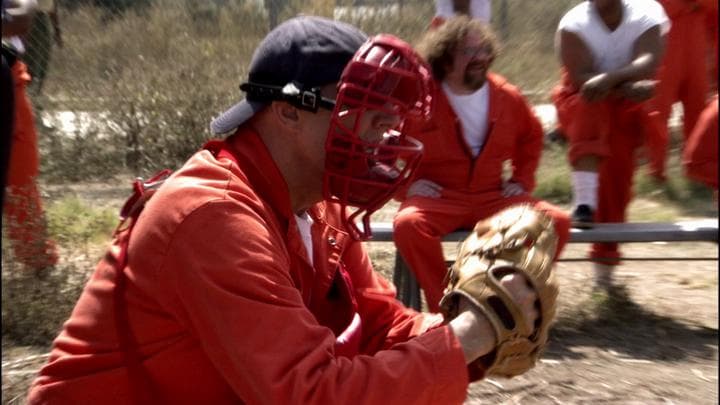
{"x":408,"y":290}
{"x":273,"y":8}
{"x":504,"y":27}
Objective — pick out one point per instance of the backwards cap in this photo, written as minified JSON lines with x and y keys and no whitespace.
{"x":305,"y":51}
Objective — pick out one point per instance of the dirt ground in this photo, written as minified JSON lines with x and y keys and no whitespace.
{"x":653,"y":340}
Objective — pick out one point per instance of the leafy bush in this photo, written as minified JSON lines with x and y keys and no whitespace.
{"x":33,"y":308}
{"x":553,"y":175}
{"x":72,"y":222}
{"x":34,"y":305}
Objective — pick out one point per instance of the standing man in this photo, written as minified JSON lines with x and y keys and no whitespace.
{"x":16,"y":19}
{"x":23,"y":214}
{"x":700,"y":156}
{"x":482,"y":148}
{"x":39,"y":41}
{"x":243,"y":280}
{"x":609,"y":50}
{"x":684,"y":72}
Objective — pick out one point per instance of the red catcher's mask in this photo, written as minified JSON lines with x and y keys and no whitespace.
{"x":368,"y":157}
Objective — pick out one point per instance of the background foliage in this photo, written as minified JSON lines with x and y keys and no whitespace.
{"x":150,"y":74}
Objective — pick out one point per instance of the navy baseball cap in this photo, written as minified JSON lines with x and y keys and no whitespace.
{"x":291,"y":62}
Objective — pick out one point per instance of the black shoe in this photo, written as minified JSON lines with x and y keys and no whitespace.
{"x":583,"y":217}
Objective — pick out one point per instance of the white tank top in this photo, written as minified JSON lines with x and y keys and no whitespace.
{"x":613,"y":49}
{"x":479,"y":9}
{"x":472,"y":110}
{"x":304,"y":223}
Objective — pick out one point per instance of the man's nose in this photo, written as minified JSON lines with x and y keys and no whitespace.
{"x":482,"y":55}
{"x":386,"y":121}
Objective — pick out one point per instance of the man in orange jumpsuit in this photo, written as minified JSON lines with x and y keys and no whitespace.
{"x":684,"y":73}
{"x":243,"y":279}
{"x":481,"y":125}
{"x":711,"y":23}
{"x":22,"y":207}
{"x":609,"y":51}
{"x":700,"y":157}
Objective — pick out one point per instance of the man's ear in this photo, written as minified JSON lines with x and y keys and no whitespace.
{"x":286,"y":114}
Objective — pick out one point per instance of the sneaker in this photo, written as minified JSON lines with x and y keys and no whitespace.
{"x":583,"y":217}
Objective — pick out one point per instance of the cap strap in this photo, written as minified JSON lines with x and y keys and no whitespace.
{"x":309,"y":100}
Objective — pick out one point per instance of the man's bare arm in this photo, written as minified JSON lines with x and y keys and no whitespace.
{"x":647,"y":53}
{"x":576,"y":58}
{"x":632,"y":81}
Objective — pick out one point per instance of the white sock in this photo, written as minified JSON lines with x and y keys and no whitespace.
{"x":603,"y":274}
{"x":585,"y":185}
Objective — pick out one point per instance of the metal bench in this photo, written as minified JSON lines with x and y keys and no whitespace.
{"x":630,"y":232}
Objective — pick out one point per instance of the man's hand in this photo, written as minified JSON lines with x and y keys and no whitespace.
{"x":472,"y":327}
{"x":638,"y":91}
{"x":597,"y":87}
{"x":504,"y":269}
{"x":511,"y":189}
{"x":425,"y":188}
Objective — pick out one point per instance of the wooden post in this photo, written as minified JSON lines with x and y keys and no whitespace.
{"x":408,"y":290}
{"x":273,"y":9}
{"x":504,"y":26}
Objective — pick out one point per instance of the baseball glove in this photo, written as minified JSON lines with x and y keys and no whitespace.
{"x":516,"y":240}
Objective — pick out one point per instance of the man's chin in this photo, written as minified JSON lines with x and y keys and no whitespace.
{"x":475,"y":84}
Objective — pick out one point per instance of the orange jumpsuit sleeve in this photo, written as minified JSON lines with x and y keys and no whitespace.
{"x":386,"y":322}
{"x":528,"y":148}
{"x":238,"y":297}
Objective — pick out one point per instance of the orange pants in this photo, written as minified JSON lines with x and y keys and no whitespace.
{"x":683,"y":77}
{"x":612,"y":130}
{"x":421,"y":223}
{"x":711,"y":19}
{"x":22,"y":210}
{"x":700,"y":156}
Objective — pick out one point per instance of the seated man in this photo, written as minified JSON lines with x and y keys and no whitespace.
{"x":244,"y":281}
{"x":609,"y":50}
{"x":481,"y":128}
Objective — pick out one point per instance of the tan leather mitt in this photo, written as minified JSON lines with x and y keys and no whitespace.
{"x":518,"y":239}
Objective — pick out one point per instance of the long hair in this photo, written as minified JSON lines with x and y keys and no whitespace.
{"x":438,"y":45}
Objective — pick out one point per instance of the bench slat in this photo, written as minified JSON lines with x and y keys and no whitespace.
{"x":682,"y":231}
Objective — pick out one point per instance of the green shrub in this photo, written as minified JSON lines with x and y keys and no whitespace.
{"x":72,"y":222}
{"x":553,"y":175}
{"x":34,"y":305}
{"x":34,"y":308}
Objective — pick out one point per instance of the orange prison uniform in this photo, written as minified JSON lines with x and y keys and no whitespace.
{"x":22,"y":210}
{"x":700,"y":156}
{"x":683,"y":74}
{"x":612,"y":129}
{"x":711,"y":22}
{"x":225,"y":306}
{"x":471,"y":186}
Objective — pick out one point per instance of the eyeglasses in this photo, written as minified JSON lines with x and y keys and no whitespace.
{"x":475,"y":51}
